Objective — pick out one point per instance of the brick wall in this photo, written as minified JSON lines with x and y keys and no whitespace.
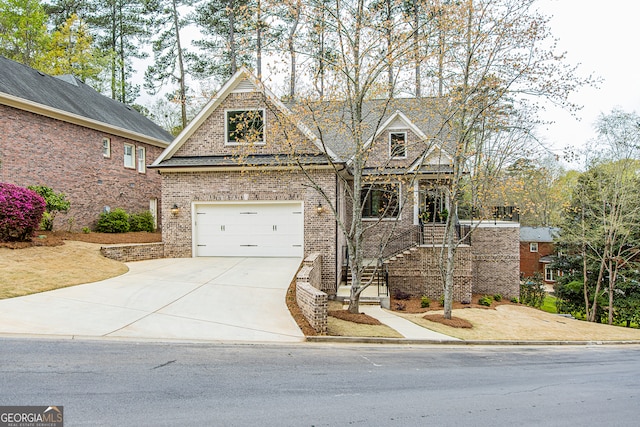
{"x":496,"y":259}
{"x":530,"y":261}
{"x":209,"y":138}
{"x":417,"y":273}
{"x":311,"y":300}
{"x":187,"y":188}
{"x":133,"y":252}
{"x":37,"y":150}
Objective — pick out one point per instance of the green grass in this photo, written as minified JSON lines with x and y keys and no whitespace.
{"x":549,"y":304}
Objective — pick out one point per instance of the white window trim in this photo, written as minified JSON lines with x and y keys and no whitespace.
{"x":141,"y":167}
{"x":226,"y":126}
{"x":405,"y":144}
{"x":106,"y":148}
{"x":549,"y":271}
{"x":133,"y":156}
{"x":395,"y":218}
{"x":533,"y":247}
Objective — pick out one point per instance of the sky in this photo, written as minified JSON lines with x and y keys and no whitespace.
{"x":601,"y":36}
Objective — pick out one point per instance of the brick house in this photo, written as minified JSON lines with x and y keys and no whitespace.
{"x":59,"y":132}
{"x":278,"y":189}
{"x":537,"y":252}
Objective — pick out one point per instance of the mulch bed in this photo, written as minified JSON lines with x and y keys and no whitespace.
{"x":296,"y":312}
{"x":361,"y":318}
{"x":414,"y":305}
{"x":454,"y":322}
{"x":57,"y":238}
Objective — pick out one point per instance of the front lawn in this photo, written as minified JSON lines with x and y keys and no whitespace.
{"x":549,"y":304}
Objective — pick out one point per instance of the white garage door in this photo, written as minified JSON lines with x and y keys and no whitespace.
{"x":249,"y":229}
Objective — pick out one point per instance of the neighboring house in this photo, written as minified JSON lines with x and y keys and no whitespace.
{"x":224,"y":195}
{"x":537,"y":252}
{"x":61,"y":133}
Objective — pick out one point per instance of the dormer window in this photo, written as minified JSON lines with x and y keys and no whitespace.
{"x":398,"y":145}
{"x":244,"y":126}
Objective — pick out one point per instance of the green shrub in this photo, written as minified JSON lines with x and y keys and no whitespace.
{"x":425,"y":301}
{"x":442,"y":301}
{"x":514,"y":300}
{"x":142,"y":221}
{"x":56,"y":202}
{"x":485,"y":300}
{"x":116,"y":221}
{"x":532,"y":292}
{"x":86,"y":230}
{"x":497,"y":297}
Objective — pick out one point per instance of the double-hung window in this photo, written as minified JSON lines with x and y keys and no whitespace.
{"x":106,"y":147}
{"x":549,"y":275}
{"x":244,"y":126}
{"x":533,"y":247}
{"x":380,"y":201}
{"x":129,"y":156}
{"x":142,"y":167}
{"x":398,"y":145}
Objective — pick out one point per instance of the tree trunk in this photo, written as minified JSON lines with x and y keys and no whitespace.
{"x":292,"y":51}
{"x":232,"y":37}
{"x":389,"y":37}
{"x":259,"y":42}
{"x":416,"y":47}
{"x":182,"y":88}
{"x":613,"y":272}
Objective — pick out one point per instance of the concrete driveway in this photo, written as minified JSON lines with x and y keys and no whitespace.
{"x":213,"y":299}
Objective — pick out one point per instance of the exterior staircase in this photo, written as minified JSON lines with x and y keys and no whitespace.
{"x":373,"y":293}
{"x":407,"y":242}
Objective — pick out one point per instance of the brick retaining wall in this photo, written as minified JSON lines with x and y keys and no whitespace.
{"x":134,"y":252}
{"x":311,"y":300}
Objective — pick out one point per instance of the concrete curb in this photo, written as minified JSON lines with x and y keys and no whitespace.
{"x":319,"y":340}
{"x":405,"y":341}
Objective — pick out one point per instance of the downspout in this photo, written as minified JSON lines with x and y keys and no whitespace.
{"x":338,"y":274}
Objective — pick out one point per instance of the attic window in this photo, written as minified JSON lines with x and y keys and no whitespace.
{"x":244,"y":126}
{"x":398,"y":145}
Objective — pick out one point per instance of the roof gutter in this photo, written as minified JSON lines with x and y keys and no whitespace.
{"x":65,"y":116}
{"x":178,"y":169}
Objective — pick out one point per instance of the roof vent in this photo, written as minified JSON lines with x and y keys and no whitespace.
{"x":67,"y":78}
{"x":244,"y":86}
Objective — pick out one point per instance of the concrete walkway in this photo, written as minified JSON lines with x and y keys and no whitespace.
{"x":405,"y":327}
{"x":213,"y":299}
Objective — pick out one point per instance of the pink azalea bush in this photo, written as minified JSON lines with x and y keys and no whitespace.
{"x":21,"y":210}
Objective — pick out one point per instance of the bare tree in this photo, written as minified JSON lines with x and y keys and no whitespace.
{"x":499,"y":61}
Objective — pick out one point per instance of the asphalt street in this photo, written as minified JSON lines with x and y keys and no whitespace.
{"x":116,"y":383}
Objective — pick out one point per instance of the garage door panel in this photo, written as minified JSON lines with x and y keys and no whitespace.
{"x":249,"y":230}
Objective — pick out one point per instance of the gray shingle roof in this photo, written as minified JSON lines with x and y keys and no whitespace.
{"x":68,"y":94}
{"x":330,"y":121}
{"x":538,"y":234}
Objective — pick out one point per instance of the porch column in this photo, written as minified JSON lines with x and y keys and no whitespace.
{"x":416,"y":202}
